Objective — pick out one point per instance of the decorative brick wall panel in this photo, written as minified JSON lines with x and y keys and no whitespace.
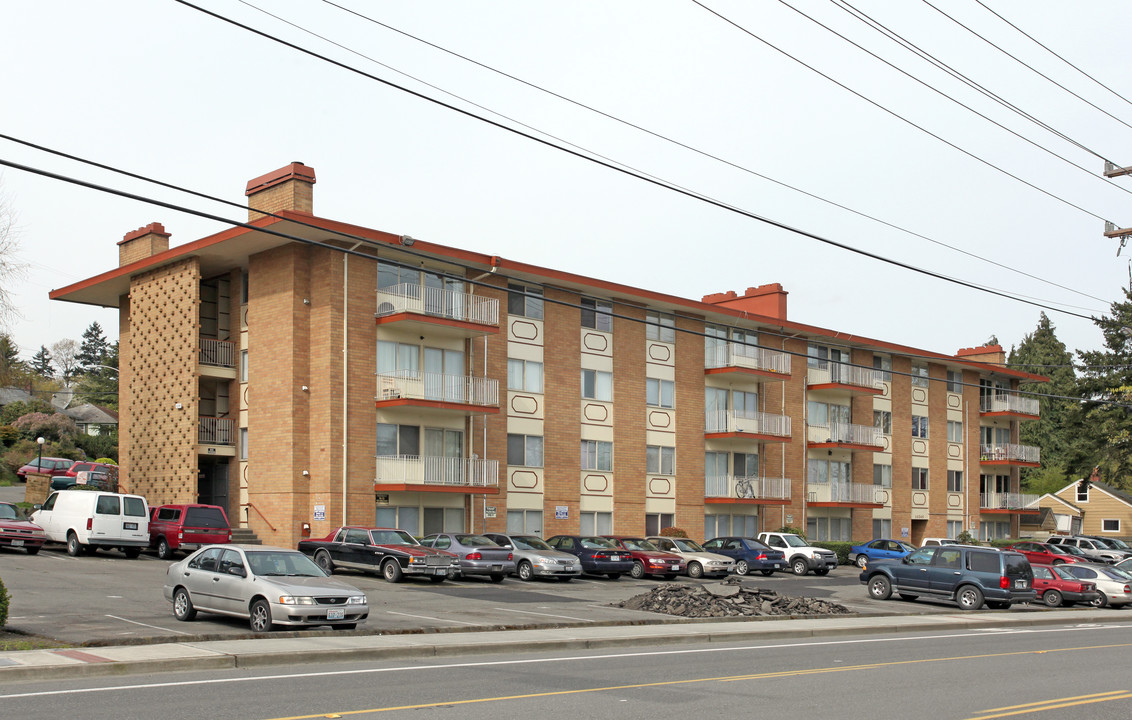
{"x":628,"y":422}
{"x":937,"y":451}
{"x":689,"y":423}
{"x":563,"y":396}
{"x":902,"y":446}
{"x":496,"y":424}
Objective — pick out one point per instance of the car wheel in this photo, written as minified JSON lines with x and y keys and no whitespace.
{"x":1058,"y":562}
{"x":131,"y":552}
{"x":74,"y":547}
{"x":322,"y":559}
{"x":800,"y":567}
{"x":437,"y":578}
{"x":821,"y":571}
{"x":183,"y":608}
{"x":497,"y":577}
{"x":969,"y":597}
{"x":1101,"y":601}
{"x":345,"y":626}
{"x":1052,"y":598}
{"x":767,"y":573}
{"x":391,"y":571}
{"x":526,"y":572}
{"x":742,"y":568}
{"x":879,"y":587}
{"x":613,"y":576}
{"x":908,"y":598}
{"x":638,"y":570}
{"x":163,"y":550}
{"x":260,"y":618}
{"x":862,"y":560}
{"x":33,"y":549}
{"x":695,"y":570}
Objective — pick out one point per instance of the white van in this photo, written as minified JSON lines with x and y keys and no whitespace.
{"x":86,"y":520}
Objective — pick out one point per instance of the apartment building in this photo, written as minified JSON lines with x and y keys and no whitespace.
{"x":305,"y":373}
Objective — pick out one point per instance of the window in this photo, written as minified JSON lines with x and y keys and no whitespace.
{"x":597,"y":385}
{"x":1082,"y":492}
{"x":243,"y":366}
{"x":595,"y":523}
{"x":107,"y":505}
{"x":954,"y":381}
{"x":524,"y":300}
{"x":882,"y":527}
{"x":823,"y":529}
{"x":660,"y":393}
{"x":819,"y":413}
{"x":524,"y":375}
{"x":655,"y":522}
{"x":405,"y":518}
{"x":660,"y":460}
{"x":828,"y":471}
{"x":994,"y":531}
{"x":919,"y":426}
{"x":883,"y":363}
{"x":395,"y":440}
{"x":394,"y":357}
{"x":954,"y":481}
{"x":882,"y":475}
{"x":524,"y":450}
{"x":882,"y":420}
{"x":439,"y":519}
{"x":524,"y":522}
{"x":919,"y":478}
{"x":596,"y":315}
{"x":1112,"y":526}
{"x":746,"y":465}
{"x":919,"y":375}
{"x":244,"y":289}
{"x":597,"y":455}
{"x":954,"y":527}
{"x":243,"y":443}
{"x":724,"y":525}
{"x":660,"y":327}
{"x":954,"y":431}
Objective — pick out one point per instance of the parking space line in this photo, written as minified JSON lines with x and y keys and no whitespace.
{"x":528,"y":612}
{"x":426,"y":617}
{"x":155,"y":627}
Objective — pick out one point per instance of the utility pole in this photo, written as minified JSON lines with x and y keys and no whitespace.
{"x":1110,"y":228}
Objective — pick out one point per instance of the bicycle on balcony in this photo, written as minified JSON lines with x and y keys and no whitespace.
{"x":744,"y":488}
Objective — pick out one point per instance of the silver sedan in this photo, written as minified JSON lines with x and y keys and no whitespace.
{"x":534,"y":558}
{"x":269,"y":586}
{"x":478,"y":555}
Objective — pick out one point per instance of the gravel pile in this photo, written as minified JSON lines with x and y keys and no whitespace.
{"x":726,"y":599}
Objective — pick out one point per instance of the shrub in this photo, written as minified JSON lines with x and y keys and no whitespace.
{"x":11,"y":411}
{"x":4,"y":598}
{"x":8,"y":434}
{"x":792,"y":531}
{"x":107,"y":461}
{"x":967,"y":538}
{"x":673,"y":532}
{"x":104,"y":447}
{"x":52,"y":427}
{"x":841,"y":548}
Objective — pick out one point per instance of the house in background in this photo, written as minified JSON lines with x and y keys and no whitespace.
{"x":1103,"y":510}
{"x":93,"y":420}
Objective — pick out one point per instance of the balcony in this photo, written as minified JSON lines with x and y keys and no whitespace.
{"x":216,"y":358}
{"x":846,"y":436}
{"x":722,"y":424}
{"x":436,"y":474}
{"x":1010,"y":455}
{"x":437,"y":391}
{"x":1009,"y":405}
{"x":824,"y":375}
{"x":438,"y":310}
{"x":1007,"y":502}
{"x":725,"y":489}
{"x":216,"y":431}
{"x":736,"y":358}
{"x":843,"y":494}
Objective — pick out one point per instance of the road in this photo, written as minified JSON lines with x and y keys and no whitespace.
{"x":1057,"y":672}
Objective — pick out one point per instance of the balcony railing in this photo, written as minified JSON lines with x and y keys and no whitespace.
{"x":1007,"y":501}
{"x":756,"y":423}
{"x":844,"y":433}
{"x":437,"y":302}
{"x":445,"y":471}
{"x":758,"y":488}
{"x":1010,"y":453}
{"x":844,"y":492}
{"x":438,"y":386}
{"x":824,"y":372}
{"x":216,"y":431}
{"x":220,"y":353}
{"x":745,"y":356}
{"x":1002,"y":403}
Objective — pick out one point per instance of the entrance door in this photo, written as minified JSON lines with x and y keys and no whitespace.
{"x":212,"y":485}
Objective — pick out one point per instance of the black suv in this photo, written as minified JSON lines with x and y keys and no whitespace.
{"x":966,"y":574}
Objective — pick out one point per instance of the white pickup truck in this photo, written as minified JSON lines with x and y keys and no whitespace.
{"x":801,"y":557}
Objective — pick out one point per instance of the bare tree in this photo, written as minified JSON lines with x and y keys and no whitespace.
{"x":65,"y":356}
{"x":11,"y":268}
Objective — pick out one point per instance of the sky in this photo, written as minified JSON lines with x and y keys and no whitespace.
{"x":163,"y":90}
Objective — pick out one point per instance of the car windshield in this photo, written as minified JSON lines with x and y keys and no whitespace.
{"x":687,"y":545}
{"x":1103,"y":544}
{"x":905,"y":547}
{"x":638,"y":544}
{"x":1118,"y":544}
{"x":794,"y":541}
{"x":8,"y":512}
{"x":475,"y":541}
{"x":597,"y":543}
{"x":392,"y":537}
{"x":280,"y":562}
{"x":529,"y":542}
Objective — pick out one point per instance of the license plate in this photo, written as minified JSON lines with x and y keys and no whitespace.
{"x":440,"y":571}
{"x":777,"y":566}
{"x":497,"y":568}
{"x":130,"y":526}
{"x":17,"y":543}
{"x":675,"y":566}
{"x":335,"y":614}
{"x":615,"y":557}
{"x":1021,"y":584}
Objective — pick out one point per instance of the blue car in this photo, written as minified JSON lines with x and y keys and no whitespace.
{"x":599,"y":556}
{"x":879,"y":549}
{"x":749,"y":554}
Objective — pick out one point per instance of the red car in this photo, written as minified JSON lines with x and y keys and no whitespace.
{"x":187,"y":527}
{"x":51,"y":466}
{"x":392,"y":553}
{"x":648,"y":559}
{"x":1044,"y":553}
{"x":1058,"y":587}
{"x":18,"y":532}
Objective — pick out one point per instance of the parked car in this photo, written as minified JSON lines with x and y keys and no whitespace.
{"x":392,"y":553}
{"x":936,"y":541}
{"x":966,"y":574}
{"x":749,"y":554}
{"x":648,"y":559}
{"x":89,"y":519}
{"x":598,"y":555}
{"x":1096,"y":551}
{"x":50,"y":466}
{"x":477,"y":554}
{"x":1125,"y":565}
{"x":1116,"y":546}
{"x":700,"y":562}
{"x":267,"y":585}
{"x":186,"y":527}
{"x":534,"y":558}
{"x":79,"y":466}
{"x":1045,"y":554}
{"x":1114,"y":586}
{"x":879,"y":549}
{"x":98,"y":478}
{"x":801,"y":556}
{"x":1058,"y":587}
{"x":16,"y":531}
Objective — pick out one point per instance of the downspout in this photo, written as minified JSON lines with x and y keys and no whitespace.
{"x":345,"y":373}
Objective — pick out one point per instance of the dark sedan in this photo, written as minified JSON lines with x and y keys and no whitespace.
{"x":749,"y":554}
{"x":598,"y":555}
{"x":648,"y":559}
{"x":393,"y":553}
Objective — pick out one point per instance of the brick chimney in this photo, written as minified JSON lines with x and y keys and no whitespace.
{"x":768,"y":300}
{"x":288,"y":188}
{"x":987,"y":354}
{"x":142,"y":243}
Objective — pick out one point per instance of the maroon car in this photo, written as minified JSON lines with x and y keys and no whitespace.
{"x":1044,"y":553}
{"x":648,"y":559}
{"x":1058,"y":587}
{"x":45,"y":466}
{"x":187,"y":527}
{"x":18,"y":532}
{"x":391,"y":552}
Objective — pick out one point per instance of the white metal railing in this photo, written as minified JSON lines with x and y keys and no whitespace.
{"x":747,"y":487}
{"x":438,"y":386}
{"x":844,"y":433}
{"x":1008,"y":451}
{"x":854,"y":492}
{"x":1004,"y":402}
{"x":757,"y":423}
{"x":1007,"y":501}
{"x":221,"y":353}
{"x":452,"y":304}
{"x":448,"y":471}
{"x":216,"y":431}
{"x":745,"y":356}
{"x":824,"y":372}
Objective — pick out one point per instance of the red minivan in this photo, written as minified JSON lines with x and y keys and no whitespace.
{"x":186,"y":527}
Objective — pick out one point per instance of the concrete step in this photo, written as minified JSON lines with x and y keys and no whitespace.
{"x":245,"y":536}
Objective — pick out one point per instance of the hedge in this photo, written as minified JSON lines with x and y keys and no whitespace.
{"x":841,"y":548}
{"x":4,"y":598}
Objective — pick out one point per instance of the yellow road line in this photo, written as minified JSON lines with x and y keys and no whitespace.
{"x":1055,"y":704}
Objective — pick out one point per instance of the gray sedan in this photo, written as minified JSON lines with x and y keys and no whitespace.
{"x":534,"y":558}
{"x":269,"y":586}
{"x":478,"y":555}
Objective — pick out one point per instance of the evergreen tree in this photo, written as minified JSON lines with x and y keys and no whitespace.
{"x":41,"y":363}
{"x":100,"y":385}
{"x":1105,"y":387}
{"x":12,"y":369}
{"x":93,"y":348}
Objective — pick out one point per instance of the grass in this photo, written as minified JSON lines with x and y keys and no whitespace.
{"x":11,"y":641}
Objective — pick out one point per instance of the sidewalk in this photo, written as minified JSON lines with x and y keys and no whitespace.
{"x":216,"y":654}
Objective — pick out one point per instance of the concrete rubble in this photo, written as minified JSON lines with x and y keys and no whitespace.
{"x":726,"y":599}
